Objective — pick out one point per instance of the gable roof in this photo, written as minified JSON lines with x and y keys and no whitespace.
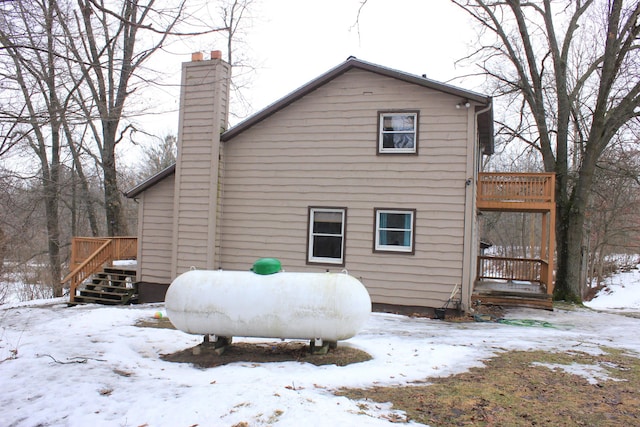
{"x":151,"y":181}
{"x":354,"y":63}
{"x":484,"y":111}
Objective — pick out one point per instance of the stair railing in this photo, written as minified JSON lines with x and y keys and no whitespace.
{"x":110,"y":250}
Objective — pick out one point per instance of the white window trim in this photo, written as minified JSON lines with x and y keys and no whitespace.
{"x":381,"y":132}
{"x":395,"y":248}
{"x":325,"y":260}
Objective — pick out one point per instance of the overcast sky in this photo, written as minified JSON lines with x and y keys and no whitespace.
{"x":291,"y":42}
{"x":294,"y":41}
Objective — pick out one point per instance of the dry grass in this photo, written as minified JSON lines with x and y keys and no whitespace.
{"x":515,"y":390}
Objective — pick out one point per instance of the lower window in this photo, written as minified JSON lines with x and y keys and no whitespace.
{"x":326,"y":235}
{"x":395,"y":230}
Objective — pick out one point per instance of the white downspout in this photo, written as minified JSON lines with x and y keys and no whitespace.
{"x":474,"y":224}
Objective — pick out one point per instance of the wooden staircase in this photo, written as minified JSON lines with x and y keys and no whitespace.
{"x":94,"y":278}
{"x":111,"y":286}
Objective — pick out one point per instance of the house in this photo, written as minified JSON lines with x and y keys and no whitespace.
{"x":365,"y":169}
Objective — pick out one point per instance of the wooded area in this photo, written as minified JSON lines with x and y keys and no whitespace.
{"x":569,"y":98}
{"x":71,"y":71}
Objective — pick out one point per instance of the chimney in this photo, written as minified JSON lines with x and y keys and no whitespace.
{"x":204,"y":111}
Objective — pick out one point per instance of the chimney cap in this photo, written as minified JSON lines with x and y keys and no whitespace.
{"x":197,"y":56}
{"x":216,"y":54}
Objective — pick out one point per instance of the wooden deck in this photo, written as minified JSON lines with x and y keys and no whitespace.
{"x":508,"y":281}
{"x":516,"y":192}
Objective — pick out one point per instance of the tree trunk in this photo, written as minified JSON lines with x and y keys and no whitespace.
{"x":116,"y":223}
{"x":85,"y":193}
{"x":570,"y":230}
{"x":51,"y":175}
{"x":50,"y":190}
{"x":3,"y":249}
{"x":569,"y":252}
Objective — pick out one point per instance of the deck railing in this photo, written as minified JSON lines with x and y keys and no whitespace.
{"x":521,"y":269}
{"x":531,"y":190}
{"x":89,"y":255}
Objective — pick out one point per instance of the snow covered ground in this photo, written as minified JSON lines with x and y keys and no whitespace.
{"x":89,"y":365}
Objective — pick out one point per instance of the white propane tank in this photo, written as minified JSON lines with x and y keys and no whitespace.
{"x":327,"y":306}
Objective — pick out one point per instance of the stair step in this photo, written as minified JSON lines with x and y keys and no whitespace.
{"x":530,"y":301}
{"x":114,"y":282}
{"x":91,"y":299}
{"x":108,"y":279}
{"x":108,"y":286}
{"x":115,"y":292}
{"x":120,"y":271}
{"x":113,"y":286}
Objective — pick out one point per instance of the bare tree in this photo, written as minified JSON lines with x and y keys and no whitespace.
{"x":78,"y":174}
{"x":3,"y":249}
{"x":235,"y":15}
{"x":23,"y":219}
{"x":570,"y":92}
{"x":158,"y":157}
{"x":612,"y":225}
{"x":69,"y":69}
{"x":67,"y":72}
{"x":36,"y":80}
{"x":109,"y":52}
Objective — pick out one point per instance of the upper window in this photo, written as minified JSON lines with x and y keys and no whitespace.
{"x":395,"y":230}
{"x":326,"y":235}
{"x":398,"y":132}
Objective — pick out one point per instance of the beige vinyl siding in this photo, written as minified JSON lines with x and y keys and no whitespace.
{"x":155,"y":233}
{"x":204,"y":101}
{"x":321,"y":151}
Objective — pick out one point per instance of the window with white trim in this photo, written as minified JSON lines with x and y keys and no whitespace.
{"x":398,"y":132}
{"x":395,"y":230}
{"x":326,"y":235}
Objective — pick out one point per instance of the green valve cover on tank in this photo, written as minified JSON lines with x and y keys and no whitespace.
{"x":267,"y":266}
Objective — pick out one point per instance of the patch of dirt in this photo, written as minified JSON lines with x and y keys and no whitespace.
{"x":153,"y":322}
{"x":593,"y":291}
{"x":205,"y":356}
{"x":453,"y":315}
{"x":486,"y":313}
{"x":492,"y":310}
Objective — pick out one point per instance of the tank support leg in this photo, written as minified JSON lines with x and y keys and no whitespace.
{"x":219,"y":344}
{"x":320,"y":347}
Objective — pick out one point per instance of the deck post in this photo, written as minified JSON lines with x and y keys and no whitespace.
{"x":552,"y":250}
